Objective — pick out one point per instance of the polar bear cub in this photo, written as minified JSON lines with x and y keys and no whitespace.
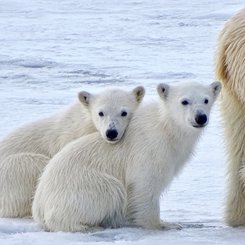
{"x":25,"y":152}
{"x":91,"y":184}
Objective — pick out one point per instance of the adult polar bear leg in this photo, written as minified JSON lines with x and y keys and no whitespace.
{"x":19,"y":174}
{"x":235,"y":200}
{"x":93,"y":200}
{"x":230,"y":69}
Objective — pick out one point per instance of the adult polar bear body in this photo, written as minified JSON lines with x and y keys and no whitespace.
{"x":230,"y":69}
{"x":90,"y":184}
{"x":26,"y":151}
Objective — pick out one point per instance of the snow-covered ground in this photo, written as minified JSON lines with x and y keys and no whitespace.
{"x":49,"y":50}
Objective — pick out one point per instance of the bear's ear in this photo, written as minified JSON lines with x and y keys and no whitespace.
{"x":216,"y":87}
{"x":139,"y":93}
{"x":163,"y":89}
{"x":84,"y":98}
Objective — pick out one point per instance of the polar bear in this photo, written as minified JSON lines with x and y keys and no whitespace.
{"x":90,"y":184}
{"x":25,"y":152}
{"x":230,"y":70}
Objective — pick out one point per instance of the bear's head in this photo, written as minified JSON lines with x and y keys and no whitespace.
{"x":189,"y":104}
{"x":112,"y":109}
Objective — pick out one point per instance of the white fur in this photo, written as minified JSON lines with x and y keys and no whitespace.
{"x":91,"y":184}
{"x":26,"y":151}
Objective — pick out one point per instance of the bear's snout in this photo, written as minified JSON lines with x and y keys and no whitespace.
{"x":111,"y":134}
{"x":201,"y":120}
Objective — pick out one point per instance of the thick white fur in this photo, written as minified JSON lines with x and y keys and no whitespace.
{"x":230,"y":69}
{"x":91,"y":184}
{"x":26,"y":151}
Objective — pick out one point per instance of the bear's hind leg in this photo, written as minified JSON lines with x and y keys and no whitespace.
{"x":235,"y":206}
{"x":92,"y":200}
{"x":18,"y":177}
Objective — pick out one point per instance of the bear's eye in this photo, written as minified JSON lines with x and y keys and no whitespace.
{"x":101,"y":114}
{"x":184,"y":102}
{"x":124,"y":114}
{"x":206,"y":101}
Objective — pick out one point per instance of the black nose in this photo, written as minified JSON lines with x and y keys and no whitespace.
{"x":111,"y":134}
{"x":201,"y":119}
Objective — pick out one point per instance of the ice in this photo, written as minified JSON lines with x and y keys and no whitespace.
{"x":51,"y":49}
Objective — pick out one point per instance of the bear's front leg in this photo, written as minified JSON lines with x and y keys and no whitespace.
{"x":143,"y":208}
{"x":142,"y":211}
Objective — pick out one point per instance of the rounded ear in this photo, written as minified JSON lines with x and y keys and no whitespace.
{"x":84,"y":97}
{"x":162,"y":90}
{"x":139,"y":93}
{"x":216,"y":88}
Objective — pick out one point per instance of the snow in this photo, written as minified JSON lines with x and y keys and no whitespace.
{"x":50,"y":50}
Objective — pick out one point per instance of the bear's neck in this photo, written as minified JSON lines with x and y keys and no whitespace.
{"x":179,"y":135}
{"x":181,"y":140}
{"x":161,"y":141}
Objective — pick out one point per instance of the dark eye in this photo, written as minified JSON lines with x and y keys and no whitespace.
{"x":184,"y":102}
{"x":206,"y":101}
{"x":124,"y":114}
{"x":101,"y":114}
